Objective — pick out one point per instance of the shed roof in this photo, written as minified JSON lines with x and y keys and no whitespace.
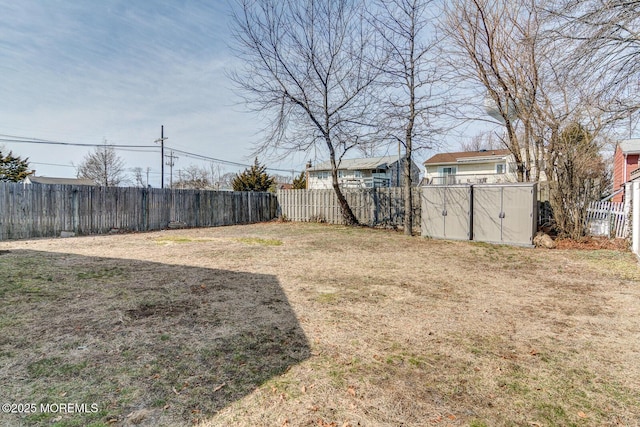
{"x":630,"y":145}
{"x":60,"y":181}
{"x":358,"y":164}
{"x":461,"y":156}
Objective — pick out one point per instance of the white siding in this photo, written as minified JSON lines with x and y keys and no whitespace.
{"x":470,"y":172}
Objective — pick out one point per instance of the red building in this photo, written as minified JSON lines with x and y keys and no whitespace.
{"x":625,"y":161}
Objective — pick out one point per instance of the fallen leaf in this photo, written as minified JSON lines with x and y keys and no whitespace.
{"x":219,"y":387}
{"x":351,"y":391}
{"x":582,"y":414}
{"x":451,"y":417}
{"x":303,"y":389}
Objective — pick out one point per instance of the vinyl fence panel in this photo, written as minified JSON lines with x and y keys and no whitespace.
{"x":371,"y":206}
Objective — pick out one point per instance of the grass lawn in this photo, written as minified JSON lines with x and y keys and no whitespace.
{"x":288,"y":324}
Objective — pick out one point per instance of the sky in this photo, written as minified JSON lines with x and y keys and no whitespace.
{"x":89,"y":71}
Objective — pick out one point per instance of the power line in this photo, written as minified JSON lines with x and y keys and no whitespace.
{"x":131,"y":148}
{"x":225,"y":162}
{"x":23,"y":140}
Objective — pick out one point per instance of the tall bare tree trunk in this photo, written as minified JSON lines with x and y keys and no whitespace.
{"x":347,"y":213}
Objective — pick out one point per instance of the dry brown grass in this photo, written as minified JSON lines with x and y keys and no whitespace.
{"x":308,"y":324}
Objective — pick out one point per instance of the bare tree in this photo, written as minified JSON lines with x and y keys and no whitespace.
{"x":411,"y":84}
{"x":103,"y":166}
{"x":580,"y":177}
{"x":554,"y":118}
{"x":225,"y":181}
{"x":307,"y":67}
{"x":216,"y":172}
{"x":482,"y":141}
{"x":603,"y":36}
{"x":193,"y":177}
{"x":138,"y":179}
{"x":494,"y":43}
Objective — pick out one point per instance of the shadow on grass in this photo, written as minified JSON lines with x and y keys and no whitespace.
{"x":147,"y":343}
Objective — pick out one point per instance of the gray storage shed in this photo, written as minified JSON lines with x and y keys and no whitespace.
{"x":446,"y":212}
{"x":505,"y":213}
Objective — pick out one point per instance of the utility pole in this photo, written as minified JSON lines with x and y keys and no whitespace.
{"x":170,"y":163}
{"x":148,"y":168}
{"x":161,"y":141}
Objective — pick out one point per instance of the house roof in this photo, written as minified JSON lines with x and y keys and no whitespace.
{"x":630,"y":145}
{"x":358,"y":164}
{"x":59,"y":181}
{"x":462,"y":156}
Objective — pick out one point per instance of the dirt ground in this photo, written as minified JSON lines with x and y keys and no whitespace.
{"x":289,"y":324}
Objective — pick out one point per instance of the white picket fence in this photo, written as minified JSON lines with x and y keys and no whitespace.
{"x":608,"y":219}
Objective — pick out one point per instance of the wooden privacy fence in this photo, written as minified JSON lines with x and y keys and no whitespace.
{"x":46,"y":210}
{"x":608,"y":219}
{"x":371,"y":206}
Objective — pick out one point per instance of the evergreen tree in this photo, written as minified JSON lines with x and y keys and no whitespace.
{"x":13,"y":168}
{"x":300,"y":183}
{"x":254,"y":178}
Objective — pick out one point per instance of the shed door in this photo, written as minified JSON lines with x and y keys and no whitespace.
{"x":487,"y":213}
{"x":432,"y":223}
{"x":457,"y":203}
{"x":446,"y":212}
{"x":518,"y":222}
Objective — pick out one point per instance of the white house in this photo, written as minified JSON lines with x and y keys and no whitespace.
{"x":471,"y":167}
{"x":361,"y":173}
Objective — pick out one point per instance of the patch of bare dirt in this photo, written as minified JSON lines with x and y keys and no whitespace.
{"x":591,"y":243}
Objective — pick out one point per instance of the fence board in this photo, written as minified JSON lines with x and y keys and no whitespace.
{"x":28,"y":211}
{"x":608,"y":219}
{"x":371,"y":206}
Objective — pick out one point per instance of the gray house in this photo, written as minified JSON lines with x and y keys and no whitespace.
{"x":362,"y":173}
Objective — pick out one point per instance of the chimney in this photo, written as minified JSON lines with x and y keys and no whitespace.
{"x":306,"y":178}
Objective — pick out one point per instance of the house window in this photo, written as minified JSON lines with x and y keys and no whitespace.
{"x":450,"y":170}
{"x":358,"y":174}
{"x":501,"y":168}
{"x":341,"y":174}
{"x":322,"y":175}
